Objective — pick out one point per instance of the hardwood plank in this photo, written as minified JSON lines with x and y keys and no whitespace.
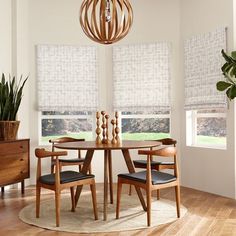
{"x":229,"y":228}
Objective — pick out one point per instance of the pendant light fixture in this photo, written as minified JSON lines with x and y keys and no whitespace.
{"x":106,"y":21}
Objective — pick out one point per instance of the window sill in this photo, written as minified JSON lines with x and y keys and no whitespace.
{"x":208,"y":147}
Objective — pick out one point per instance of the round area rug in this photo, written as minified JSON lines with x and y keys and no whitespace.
{"x":132,"y":216}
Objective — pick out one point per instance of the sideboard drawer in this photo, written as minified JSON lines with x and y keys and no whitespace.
{"x":11,"y":175}
{"x":13,"y":161}
{"x":14,"y":147}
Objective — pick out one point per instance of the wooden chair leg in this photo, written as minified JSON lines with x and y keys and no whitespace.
{"x":90,"y":169}
{"x":60,"y":167}
{"x":38,"y":191}
{"x":119,"y":189}
{"x":177,"y":198}
{"x":57,"y":200}
{"x":158,"y":168}
{"x":94,"y":198}
{"x":52,"y":169}
{"x":149,"y":202}
{"x":158,"y":194}
{"x":130,"y":190}
{"x":72,"y":199}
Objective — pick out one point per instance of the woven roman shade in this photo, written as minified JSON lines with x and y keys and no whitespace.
{"x":203,"y":61}
{"x":141,"y":77}
{"x":67,"y":78}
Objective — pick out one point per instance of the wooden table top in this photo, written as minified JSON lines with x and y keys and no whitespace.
{"x":91,"y":145}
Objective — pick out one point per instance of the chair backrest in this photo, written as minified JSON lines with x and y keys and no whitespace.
{"x":162,"y":152}
{"x":167,"y":141}
{"x":65,"y":140}
{"x":42,"y":153}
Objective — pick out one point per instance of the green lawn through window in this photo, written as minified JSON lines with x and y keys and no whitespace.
{"x":144,"y":136}
{"x":125,"y":136}
{"x":210,"y":140}
{"x":204,"y":140}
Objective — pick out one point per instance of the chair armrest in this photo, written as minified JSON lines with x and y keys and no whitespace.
{"x":147,"y":152}
{"x":165,"y":152}
{"x":42,"y":153}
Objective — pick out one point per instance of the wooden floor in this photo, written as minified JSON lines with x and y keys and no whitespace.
{"x":208,"y":214}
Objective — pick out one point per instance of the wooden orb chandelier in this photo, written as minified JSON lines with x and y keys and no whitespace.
{"x":106,"y":21}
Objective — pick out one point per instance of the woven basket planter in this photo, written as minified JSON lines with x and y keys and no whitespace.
{"x":8,"y":130}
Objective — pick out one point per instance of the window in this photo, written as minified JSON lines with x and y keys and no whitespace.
{"x":141,"y":85}
{"x":145,"y":126}
{"x":57,"y":124}
{"x":205,"y":106}
{"x":67,"y":82}
{"x":206,"y":128}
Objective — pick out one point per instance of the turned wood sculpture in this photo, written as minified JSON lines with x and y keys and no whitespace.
{"x":117,"y":129}
{"x":98,"y":129}
{"x":113,"y":141}
{"x":105,"y":129}
{"x":107,"y":133}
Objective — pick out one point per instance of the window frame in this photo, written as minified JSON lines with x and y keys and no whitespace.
{"x":51,"y":117}
{"x":92,"y":117}
{"x":191,"y":128}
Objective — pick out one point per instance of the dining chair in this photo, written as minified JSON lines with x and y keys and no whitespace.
{"x":66,"y":161}
{"x":151,"y":179}
{"x":79,"y":160}
{"x":61,"y":180}
{"x":156,"y":165}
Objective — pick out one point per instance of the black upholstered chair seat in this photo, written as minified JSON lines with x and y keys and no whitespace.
{"x":157,"y":177}
{"x":65,"y":176}
{"x":72,"y":160}
{"x":153,"y":163}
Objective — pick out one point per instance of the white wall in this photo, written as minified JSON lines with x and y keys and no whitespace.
{"x":5,"y":39}
{"x":21,"y":61}
{"x":14,"y":50}
{"x":207,"y":169}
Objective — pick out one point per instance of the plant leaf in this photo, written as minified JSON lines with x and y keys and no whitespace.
{"x":226,"y":57}
{"x":233,"y":55}
{"x":10,"y":97}
{"x":222,"y":85}
{"x":231,"y":92}
{"x":5,"y":115}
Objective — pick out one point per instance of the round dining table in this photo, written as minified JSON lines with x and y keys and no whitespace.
{"x":124,"y":146}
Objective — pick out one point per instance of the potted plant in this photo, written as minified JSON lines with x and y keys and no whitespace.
{"x":10,"y":99}
{"x":229,"y":72}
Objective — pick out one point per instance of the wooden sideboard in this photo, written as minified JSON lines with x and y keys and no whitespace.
{"x":14,"y":162}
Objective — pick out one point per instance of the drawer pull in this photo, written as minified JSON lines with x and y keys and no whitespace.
{"x":22,"y":172}
{"x":21,"y":159}
{"x":21,"y":146}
